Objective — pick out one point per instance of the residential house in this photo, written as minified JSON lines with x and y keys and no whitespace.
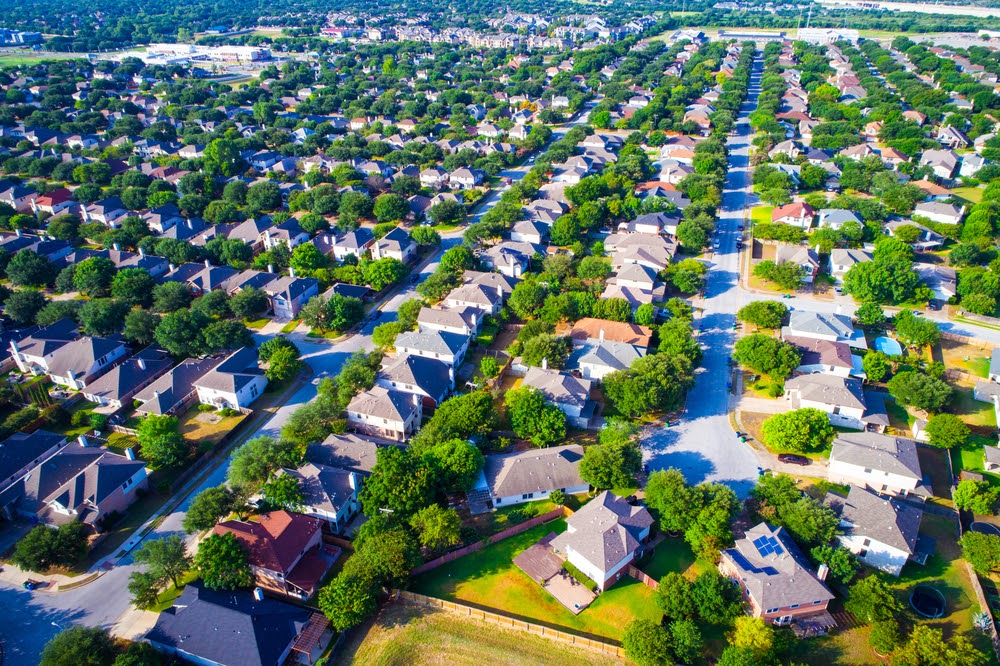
{"x":529,"y":231}
{"x":604,"y":537}
{"x":837,"y":217}
{"x":81,"y":361}
{"x":428,"y":378}
{"x":842,"y":398}
{"x":589,"y":329}
{"x":35,"y":352}
{"x":805,"y":258}
{"x":463,"y":320}
{"x":486,"y":298}
{"x":287,"y":295}
{"x":396,"y":244}
{"x":19,"y":454}
{"x":236,"y":628}
{"x":942,"y":280}
{"x":288,"y":232}
{"x":775,"y":578}
{"x":509,"y":258}
{"x":528,"y":476}
{"x":942,"y":162}
{"x":348,"y":451}
{"x":174,"y":391}
{"x":234,"y":383}
{"x":356,"y":242}
{"x":952,"y":137}
{"x":991,"y":458}
{"x":826,"y":357}
{"x":928,"y":240}
{"x":570,"y":394}
{"x":884,"y":463}
{"x":597,"y":359}
{"x":824,"y":326}
{"x":936,"y":211}
{"x":796,"y":214}
{"x":881,"y":531}
{"x":328,"y":493}
{"x":284,"y":550}
{"x":434,"y":178}
{"x":385,"y":413}
{"x":115,"y":389}
{"x":841,"y":260}
{"x":465,"y":178}
{"x":449,"y":348}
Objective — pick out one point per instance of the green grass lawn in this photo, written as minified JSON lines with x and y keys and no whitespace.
{"x":166,"y":598}
{"x":290,"y":326}
{"x":899,"y":419}
{"x":672,"y":554}
{"x":970,"y":194}
{"x":490,"y":579}
{"x":972,"y":411}
{"x":71,"y":431}
{"x":256,"y":324}
{"x":970,"y":456}
{"x":761,"y":214}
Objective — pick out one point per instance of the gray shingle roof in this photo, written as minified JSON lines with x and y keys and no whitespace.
{"x":322,"y":487}
{"x":80,"y":355}
{"x":820,"y":323}
{"x":22,"y":448}
{"x":166,"y":392}
{"x":435,"y":342}
{"x":348,"y":451}
{"x":828,"y":390}
{"x":557,"y":386}
{"x":606,"y":353}
{"x":867,"y":514}
{"x":433,"y":377}
{"x":885,"y":453}
{"x":123,"y":379}
{"x":383,"y":403}
{"x":534,"y":471}
{"x":605,"y":530}
{"x":236,"y":371}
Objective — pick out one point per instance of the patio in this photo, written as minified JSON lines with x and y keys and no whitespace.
{"x":544,"y":567}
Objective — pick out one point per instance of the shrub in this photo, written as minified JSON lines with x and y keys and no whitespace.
{"x":580,"y":576}
{"x":98,"y":421}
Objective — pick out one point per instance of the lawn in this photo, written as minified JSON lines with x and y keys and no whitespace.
{"x":71,"y":431}
{"x":975,"y":413}
{"x":166,"y":598}
{"x":970,"y":456}
{"x":290,"y":326}
{"x":403,"y":632}
{"x":970,"y":194}
{"x":489,"y":579}
{"x":256,"y":324}
{"x":672,"y":554}
{"x":900,"y":420}
{"x":761,"y":214}
{"x":204,"y":433}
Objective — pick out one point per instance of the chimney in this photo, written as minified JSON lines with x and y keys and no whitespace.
{"x":600,"y":336}
{"x":18,"y":233}
{"x":545,"y":364}
{"x":116,"y":247}
{"x":451,"y":374}
{"x":822,"y":572}
{"x":142,"y":253}
{"x":190,"y":224}
{"x":13,"y":346}
{"x":156,"y":394}
{"x":82,"y":441}
{"x":208,"y":264}
{"x":291,"y":272}
{"x":270,"y":268}
{"x":171,"y":267}
{"x":142,"y":363}
{"x":500,"y":291}
{"x":130,"y":453}
{"x":258,"y":594}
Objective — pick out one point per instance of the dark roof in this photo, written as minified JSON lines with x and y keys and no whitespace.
{"x":605,"y":530}
{"x":867,"y":514}
{"x":352,"y":452}
{"x":428,"y":374}
{"x":166,"y":392}
{"x":22,"y":448}
{"x":45,"y":341}
{"x":534,"y":470}
{"x":236,"y":371}
{"x":123,"y":379}
{"x":230,"y":628}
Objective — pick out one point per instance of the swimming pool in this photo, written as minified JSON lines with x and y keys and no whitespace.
{"x":888,"y":346}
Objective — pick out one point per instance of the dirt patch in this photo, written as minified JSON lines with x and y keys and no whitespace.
{"x":208,"y":417}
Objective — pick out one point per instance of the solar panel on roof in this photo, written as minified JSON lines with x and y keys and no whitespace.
{"x":740,"y":560}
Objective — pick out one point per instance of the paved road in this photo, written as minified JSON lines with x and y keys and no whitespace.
{"x":703,"y":446}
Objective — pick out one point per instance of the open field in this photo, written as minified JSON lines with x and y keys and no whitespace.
{"x":17,"y":57}
{"x":405,"y":633}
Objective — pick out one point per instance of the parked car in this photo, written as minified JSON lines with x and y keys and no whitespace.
{"x":793,"y":459}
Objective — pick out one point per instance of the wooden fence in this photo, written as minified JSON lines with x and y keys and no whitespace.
{"x":985,"y":606}
{"x":123,"y":430}
{"x":514,"y":623}
{"x":499,"y":536}
{"x":643,"y":578}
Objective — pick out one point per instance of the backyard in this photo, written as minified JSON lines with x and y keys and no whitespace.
{"x":490,"y":579}
{"x":207,"y":428}
{"x":403,"y":631}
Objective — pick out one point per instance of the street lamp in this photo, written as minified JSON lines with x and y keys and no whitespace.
{"x":57,"y":626}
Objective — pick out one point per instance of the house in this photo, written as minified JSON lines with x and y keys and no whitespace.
{"x":881,"y":531}
{"x":462,"y":320}
{"x":805,"y":258}
{"x":328,"y":493}
{"x":356,"y":242}
{"x":595,"y":359}
{"x":77,"y":482}
{"x":570,"y":394}
{"x":174,"y":391}
{"x":81,"y":361}
{"x":386,"y":413}
{"x":796,"y":214}
{"x":234,"y":383}
{"x":824,"y":326}
{"x":115,"y":389}
{"x":942,"y":280}
{"x":775,"y":578}
{"x":936,"y":211}
{"x":434,"y":178}
{"x":284,"y":550}
{"x":288,"y":293}
{"x":529,"y":231}
{"x":510,"y":258}
{"x":22,"y":452}
{"x":952,"y":137}
{"x":236,"y":628}
{"x":590,"y":329}
{"x":35,"y":352}
{"x":288,"y":232}
{"x":841,"y":260}
{"x":527,"y":476}
{"x":485,"y":298}
{"x":449,"y":348}
{"x":842,"y":398}
{"x":942,"y":162}
{"x":428,"y":378}
{"x":396,"y":244}
{"x":604,"y":537}
{"x":884,"y":463}
{"x":992,"y":458}
{"x":502,"y":284}
{"x":837,"y":217}
{"x":826,"y":357}
{"x":927,"y":240}
{"x":466,"y":179}
{"x":971,"y":164}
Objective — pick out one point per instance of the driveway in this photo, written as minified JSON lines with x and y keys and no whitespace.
{"x":704,"y":446}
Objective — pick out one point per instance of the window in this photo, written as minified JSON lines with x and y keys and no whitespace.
{"x":794,"y":606}
{"x":817,"y":603}
{"x":771,"y":610}
{"x":867,"y":542}
{"x":868,"y":470}
{"x":863,"y":553}
{"x":836,"y":410}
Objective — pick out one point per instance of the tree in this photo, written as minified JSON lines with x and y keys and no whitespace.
{"x":888,"y":278}
{"x":613,"y":309}
{"x":459,"y":417}
{"x":248,"y":303}
{"x":29,"y":269}
{"x":927,"y":647}
{"x":283,"y":364}
{"x":527,"y":298}
{"x":787,"y":275}
{"x":384,"y":335}
{"x":160,"y":441}
{"x":144,"y":588}
{"x":264,"y":195}
{"x":349,"y":599}
{"x":171,"y":296}
{"x":182,"y":333}
{"x":381,"y":273}
{"x":225,"y":335}
{"x":532,"y":418}
{"x":612,"y":465}
{"x":223,"y":157}
{"x":24,"y":305}
{"x":489,"y":367}
{"x":884,"y":636}
{"x":253,"y":463}
{"x":551,"y":349}
{"x":79,"y":646}
{"x":645,"y":315}
{"x":390,"y":208}
{"x":437,"y":528}
{"x":687,"y":640}
{"x":915,"y":331}
{"x":799,"y":431}
{"x":166,"y":559}
{"x":876,"y":365}
{"x":425,"y":236}
{"x":56,"y":310}
{"x":716,"y":599}
{"x":982,"y":551}
{"x":222,"y":563}
{"x":647,"y":644}
{"x":140,"y":327}
{"x":209,"y":507}
{"x":979,"y":497}
{"x":920,"y":390}
{"x":454,"y":464}
{"x":674,"y":502}
{"x":399,"y":482}
{"x":133,"y":286}
{"x":43,"y":547}
{"x":947,"y":431}
{"x":753,"y":633}
{"x":447,"y":212}
{"x":675,"y":598}
{"x":656,"y":382}
{"x":102,"y":316}
{"x":766,"y":355}
{"x":93,"y":276}
{"x":843,"y":563}
{"x":871,"y":600}
{"x":870,"y":314}
{"x":283,"y":491}
{"x":763,"y":314}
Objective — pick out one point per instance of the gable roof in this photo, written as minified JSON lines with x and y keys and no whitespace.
{"x":166,"y":392}
{"x":590,"y":328}
{"x":605,"y":530}
{"x":605,"y":353}
{"x":885,"y":453}
{"x":533,"y":471}
{"x":433,"y":377}
{"x":233,"y":373}
{"x":22,"y":448}
{"x":276,"y":540}
{"x":325,"y":488}
{"x":46,"y":341}
{"x":865,"y":513}
{"x":820,"y":323}
{"x":384,"y":403}
{"x":558,"y":386}
{"x":80,"y":355}
{"x":124,"y":378}
{"x":437,"y":342}
{"x":828,"y":390}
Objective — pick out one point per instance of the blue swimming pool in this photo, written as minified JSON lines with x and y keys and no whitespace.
{"x":888,"y":346}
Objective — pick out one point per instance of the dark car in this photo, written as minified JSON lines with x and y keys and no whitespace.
{"x":793,"y":459}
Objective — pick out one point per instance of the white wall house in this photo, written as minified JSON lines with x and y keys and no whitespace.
{"x":881,"y":531}
{"x":884,"y":463}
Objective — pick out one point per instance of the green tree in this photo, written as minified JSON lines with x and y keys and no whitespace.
{"x":920,"y":390}
{"x":133,"y":286}
{"x":647,"y":644}
{"x":171,"y":296}
{"x":799,"y":431}
{"x":979,"y":497}
{"x":390,"y":208}
{"x":687,"y":640}
{"x":160,"y":441}
{"x":876,"y":365}
{"x":753,"y":633}
{"x":255,"y":461}
{"x":612,"y":465}
{"x":93,"y":276}
{"x":915,"y":331}
{"x":763,"y":314}
{"x":384,"y":335}
{"x":264,"y":195}
{"x":554,"y":350}
{"x":532,"y":418}
{"x":222,"y":562}
{"x":209,"y":507}
{"x":182,"y":333}
{"x":79,"y":646}
{"x":766,"y":355}
{"x":140,"y":327}
{"x":43,"y":547}
{"x":103,"y":316}
{"x":947,"y":431}
{"x":24,"y":305}
{"x":843,"y":563}
{"x":248,"y":303}
{"x":871,"y":600}
{"x":29,"y":269}
{"x":447,"y":212}
{"x":437,"y":528}
{"x":283,"y":492}
{"x":927,"y":647}
{"x":982,"y":551}
{"x":870,"y":314}
{"x":675,"y":503}
{"x":885,"y":636}
{"x":787,"y":275}
{"x":381,"y":273}
{"x":222,"y":157}
{"x":716,"y":599}
{"x":166,"y":559}
{"x":145,"y":589}
{"x":675,"y":598}
{"x":349,"y":599}
{"x":489,"y":367}
{"x":283,"y":365}
{"x":454,"y":464}
{"x":399,"y":483}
